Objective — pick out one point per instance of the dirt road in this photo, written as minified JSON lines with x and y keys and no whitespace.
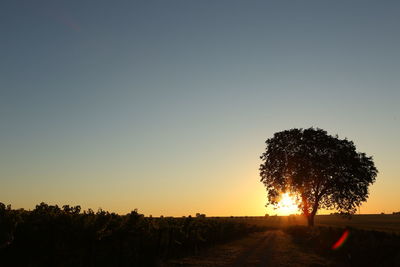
{"x":270,"y":248}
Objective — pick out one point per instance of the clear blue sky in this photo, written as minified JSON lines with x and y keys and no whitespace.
{"x":165,"y":105}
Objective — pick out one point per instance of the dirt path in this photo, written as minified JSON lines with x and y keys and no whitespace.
{"x":270,"y":248}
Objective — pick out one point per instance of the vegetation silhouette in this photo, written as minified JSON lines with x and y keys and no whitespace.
{"x":54,"y":236}
{"x":320,"y":170}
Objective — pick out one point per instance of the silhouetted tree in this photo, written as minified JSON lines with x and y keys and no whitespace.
{"x":320,"y":170}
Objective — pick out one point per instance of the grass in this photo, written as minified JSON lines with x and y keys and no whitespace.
{"x":377,"y":222}
{"x":361,"y":248}
{"x":373,"y":240}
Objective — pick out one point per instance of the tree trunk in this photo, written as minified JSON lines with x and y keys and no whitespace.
{"x":310,"y":220}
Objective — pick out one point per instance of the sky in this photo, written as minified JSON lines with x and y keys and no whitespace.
{"x":165,"y":106}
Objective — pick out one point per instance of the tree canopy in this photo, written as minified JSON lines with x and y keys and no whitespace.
{"x":320,"y":170}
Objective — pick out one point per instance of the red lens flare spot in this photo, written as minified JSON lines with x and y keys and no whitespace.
{"x":341,"y":240}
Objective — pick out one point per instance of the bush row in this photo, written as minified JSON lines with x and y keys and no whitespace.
{"x":54,"y":236}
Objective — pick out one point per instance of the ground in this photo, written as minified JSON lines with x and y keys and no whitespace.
{"x":269,"y":248}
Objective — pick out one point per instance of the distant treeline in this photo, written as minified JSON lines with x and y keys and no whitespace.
{"x":65,"y":236}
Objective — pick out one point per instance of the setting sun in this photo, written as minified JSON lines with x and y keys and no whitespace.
{"x":287,"y":205}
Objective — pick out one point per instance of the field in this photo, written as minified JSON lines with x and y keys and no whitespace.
{"x":54,"y":236}
{"x":373,"y":240}
{"x":378,"y":222}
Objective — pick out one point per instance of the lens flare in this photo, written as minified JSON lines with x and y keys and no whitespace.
{"x":341,"y":240}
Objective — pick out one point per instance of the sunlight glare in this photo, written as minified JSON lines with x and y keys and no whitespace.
{"x":287,"y":205}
